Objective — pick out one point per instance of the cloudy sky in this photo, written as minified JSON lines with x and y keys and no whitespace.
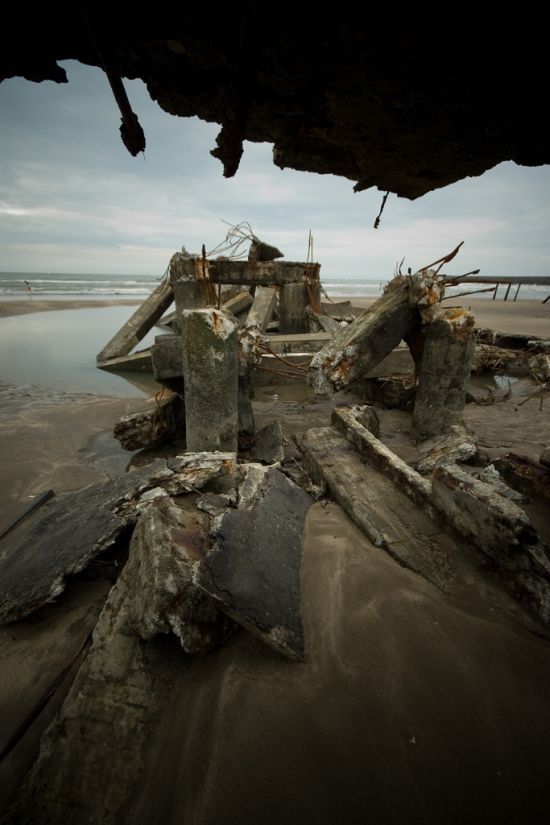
{"x":73,"y":200}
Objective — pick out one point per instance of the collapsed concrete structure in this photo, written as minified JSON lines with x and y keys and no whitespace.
{"x":209,"y":540}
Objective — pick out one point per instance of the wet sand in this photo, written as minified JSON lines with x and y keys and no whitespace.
{"x":521,"y":317}
{"x":34,"y":304}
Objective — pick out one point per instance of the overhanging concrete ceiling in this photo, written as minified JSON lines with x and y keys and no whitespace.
{"x":403,"y":96}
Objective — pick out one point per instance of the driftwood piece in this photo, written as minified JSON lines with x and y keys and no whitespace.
{"x":253,"y":572}
{"x":139,"y":324}
{"x":145,"y":429}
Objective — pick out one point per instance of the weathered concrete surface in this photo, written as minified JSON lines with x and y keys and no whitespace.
{"x":139,"y":324}
{"x":150,"y":427}
{"x":74,"y":528}
{"x":545,"y":457}
{"x":319,"y":322}
{"x":293,"y":303}
{"x":364,"y":343}
{"x":162,"y":597}
{"x":492,"y":476}
{"x":93,"y":754}
{"x":209,"y":339}
{"x":444,"y":372}
{"x":493,"y":523}
{"x":136,"y":362}
{"x":189,"y":290}
{"x":456,"y":444}
{"x":382,"y":511}
{"x":66,"y":535}
{"x":261,"y":273}
{"x":238,"y":303}
{"x":167,"y":358}
{"x":525,"y":475}
{"x":253,"y":572}
{"x":341,"y":310}
{"x":263,"y":306}
{"x":361,"y":430}
{"x":268,"y":444}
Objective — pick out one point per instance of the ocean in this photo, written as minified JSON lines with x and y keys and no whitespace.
{"x":75,"y":285}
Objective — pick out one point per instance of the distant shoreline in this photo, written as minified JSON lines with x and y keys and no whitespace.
{"x":526,"y":317}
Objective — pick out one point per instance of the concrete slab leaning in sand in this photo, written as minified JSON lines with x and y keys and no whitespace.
{"x":253,"y":572}
{"x":364,"y":343}
{"x":74,"y":528}
{"x":239,"y":303}
{"x":143,"y":319}
{"x":263,"y":306}
{"x":376,"y":503}
{"x":209,"y":338}
{"x":444,"y":372}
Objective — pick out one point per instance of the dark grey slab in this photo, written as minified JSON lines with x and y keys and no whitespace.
{"x":253,"y":573}
{"x":65,"y":536}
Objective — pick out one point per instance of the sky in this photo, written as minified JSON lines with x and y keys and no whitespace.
{"x":73,"y":200}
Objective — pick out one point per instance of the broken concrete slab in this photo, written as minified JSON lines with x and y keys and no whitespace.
{"x":263,"y":306}
{"x":136,"y":362}
{"x":457,"y":444}
{"x":150,"y":427}
{"x":238,"y":303}
{"x":444,"y":372}
{"x":92,"y":756}
{"x":493,"y":523}
{"x":525,"y":475}
{"x":253,"y":571}
{"x":139,"y":324}
{"x":261,"y":273}
{"x":490,"y":475}
{"x":293,"y":303}
{"x":260,"y":251}
{"x":268,"y":444}
{"x":74,"y":528}
{"x":162,"y":597}
{"x":381,"y":510}
{"x":245,"y":415}
{"x":544,"y":458}
{"x":365,"y":342}
{"x":340,"y":311}
{"x":361,"y":429}
{"x":319,"y":322}
{"x":167,"y":359}
{"x":66,"y":535}
{"x":209,"y":339}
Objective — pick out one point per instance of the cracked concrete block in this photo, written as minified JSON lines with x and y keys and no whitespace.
{"x":253,"y":571}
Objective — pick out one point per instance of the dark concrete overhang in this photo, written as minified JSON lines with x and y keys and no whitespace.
{"x":403,"y":96}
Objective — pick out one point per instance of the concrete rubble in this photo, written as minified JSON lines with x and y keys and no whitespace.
{"x":229,"y":553}
{"x":253,"y":570}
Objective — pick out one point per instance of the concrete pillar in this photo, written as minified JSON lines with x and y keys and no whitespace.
{"x":444,"y":371}
{"x":293,"y":300}
{"x":189,"y":291}
{"x":209,"y":341}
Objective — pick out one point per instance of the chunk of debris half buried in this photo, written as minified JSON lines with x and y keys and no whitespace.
{"x":75,"y":527}
{"x":162,"y":596}
{"x":253,"y":571}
